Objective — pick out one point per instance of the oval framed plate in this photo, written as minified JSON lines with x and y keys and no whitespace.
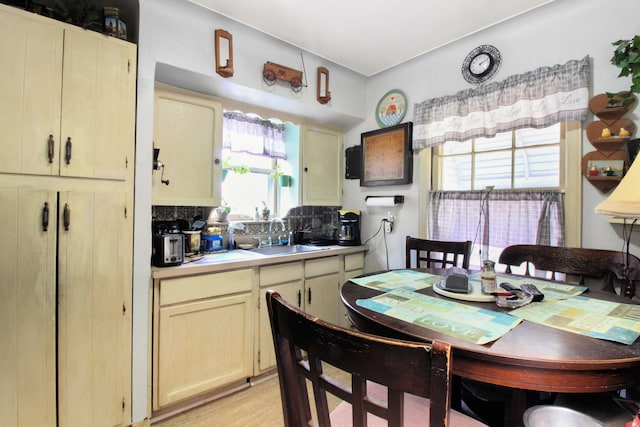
{"x":391,"y":108}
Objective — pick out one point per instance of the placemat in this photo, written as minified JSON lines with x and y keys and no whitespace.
{"x":407,"y":279}
{"x":472,"y":324}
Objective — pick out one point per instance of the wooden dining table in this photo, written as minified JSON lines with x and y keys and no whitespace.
{"x":529,"y":358}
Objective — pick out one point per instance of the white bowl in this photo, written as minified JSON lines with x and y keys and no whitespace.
{"x":557,"y":416}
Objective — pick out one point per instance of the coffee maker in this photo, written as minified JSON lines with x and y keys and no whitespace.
{"x":349,"y":228}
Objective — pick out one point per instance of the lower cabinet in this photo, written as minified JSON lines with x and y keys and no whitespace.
{"x":202,"y":334}
{"x":353,"y":267}
{"x":312,"y":285}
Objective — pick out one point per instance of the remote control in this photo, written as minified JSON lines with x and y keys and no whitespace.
{"x":509,"y":287}
{"x":531,"y":289}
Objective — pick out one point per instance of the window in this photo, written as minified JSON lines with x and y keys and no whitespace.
{"x":487,"y":190}
{"x":525,"y":158}
{"x":254,"y":154}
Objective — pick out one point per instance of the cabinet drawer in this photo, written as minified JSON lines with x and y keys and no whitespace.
{"x":353,"y":262}
{"x":322,"y":266}
{"x":205,"y":286}
{"x":280,"y":273}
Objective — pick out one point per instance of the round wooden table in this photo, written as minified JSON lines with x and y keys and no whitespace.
{"x":530,"y":357}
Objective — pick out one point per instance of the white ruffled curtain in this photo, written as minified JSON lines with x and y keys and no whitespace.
{"x":535,"y":99}
{"x":253,"y":135}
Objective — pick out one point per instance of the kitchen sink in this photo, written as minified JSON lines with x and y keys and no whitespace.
{"x":227,"y":256}
{"x":284,"y":250}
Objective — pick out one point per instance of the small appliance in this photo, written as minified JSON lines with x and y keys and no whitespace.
{"x":168,"y":244}
{"x":349,"y":228}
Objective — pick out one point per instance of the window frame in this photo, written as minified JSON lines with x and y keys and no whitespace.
{"x":570,"y":181}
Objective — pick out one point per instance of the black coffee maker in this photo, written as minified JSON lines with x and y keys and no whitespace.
{"x":349,"y":228}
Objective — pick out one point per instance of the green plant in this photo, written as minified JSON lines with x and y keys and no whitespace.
{"x":224,"y":208}
{"x":627,"y":58}
{"x":239,"y":169}
{"x":277,"y":173}
{"x":82,"y":13}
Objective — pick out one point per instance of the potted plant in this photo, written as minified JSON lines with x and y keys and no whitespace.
{"x":265,"y":211}
{"x":627,"y":58}
{"x":221,"y":213}
{"x":277,"y":174}
{"x":239,"y":169}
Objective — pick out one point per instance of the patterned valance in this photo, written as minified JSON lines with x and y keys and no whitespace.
{"x":535,"y":99}
{"x":253,"y":135}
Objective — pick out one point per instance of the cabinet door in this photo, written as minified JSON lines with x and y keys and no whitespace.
{"x":322,"y":297}
{"x":27,"y":309}
{"x":188,"y":132}
{"x":97,"y":105}
{"x":94,"y":291}
{"x":321,"y":166}
{"x":292,"y":293}
{"x":203,"y":345}
{"x":31,"y":85}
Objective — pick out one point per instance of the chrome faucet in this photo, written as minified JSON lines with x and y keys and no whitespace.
{"x":271,"y":228}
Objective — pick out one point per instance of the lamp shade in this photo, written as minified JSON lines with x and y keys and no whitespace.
{"x":624,"y":202}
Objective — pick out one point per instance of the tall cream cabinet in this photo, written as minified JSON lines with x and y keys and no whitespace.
{"x":66,"y":200}
{"x":321,"y":170}
{"x":188,"y":133}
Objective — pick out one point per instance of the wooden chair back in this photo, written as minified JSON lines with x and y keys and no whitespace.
{"x":578,"y":262}
{"x":437,"y":253}
{"x":304,"y":345}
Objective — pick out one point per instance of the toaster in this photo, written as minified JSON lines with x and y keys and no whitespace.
{"x":168,"y":249}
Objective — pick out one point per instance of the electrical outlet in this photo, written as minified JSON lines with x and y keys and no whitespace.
{"x":388,"y":223}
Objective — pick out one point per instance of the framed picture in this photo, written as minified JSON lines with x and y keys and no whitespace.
{"x":387,"y":156}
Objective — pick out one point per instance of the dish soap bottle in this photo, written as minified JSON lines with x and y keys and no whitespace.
{"x":488,"y":277}
{"x":256,"y":216}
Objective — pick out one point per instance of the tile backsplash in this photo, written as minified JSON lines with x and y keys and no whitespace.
{"x":322,"y":221}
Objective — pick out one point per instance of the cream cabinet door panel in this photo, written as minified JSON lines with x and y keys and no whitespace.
{"x":27,"y":309}
{"x":203,"y":345}
{"x":31,"y":85}
{"x":188,"y":132}
{"x":292,"y":293}
{"x":96,"y":108}
{"x":94,"y":288}
{"x":322,"y":297}
{"x":321,"y":166}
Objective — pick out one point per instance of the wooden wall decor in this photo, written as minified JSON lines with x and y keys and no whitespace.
{"x":323,"y":92}
{"x":272,"y":72}
{"x":224,"y":53}
{"x":605,"y":167}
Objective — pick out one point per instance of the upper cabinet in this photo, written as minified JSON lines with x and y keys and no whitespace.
{"x":188,"y":134}
{"x":321,"y":169}
{"x":59,"y":128}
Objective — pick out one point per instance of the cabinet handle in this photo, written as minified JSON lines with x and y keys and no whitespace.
{"x":45,"y":216}
{"x":299,"y":299}
{"x":50,"y":149}
{"x":67,"y":151}
{"x":309,"y":296}
{"x":66,"y":216}
{"x":306,"y":169}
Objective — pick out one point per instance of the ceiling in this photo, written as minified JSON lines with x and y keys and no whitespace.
{"x":370,"y":36}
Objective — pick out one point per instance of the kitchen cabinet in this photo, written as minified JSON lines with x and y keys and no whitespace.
{"x":353,"y":266}
{"x":321,"y":154}
{"x":202,"y":334}
{"x":288,"y":280}
{"x":65,"y":300}
{"x":67,"y":99}
{"x":188,"y":133}
{"x":311,"y":285}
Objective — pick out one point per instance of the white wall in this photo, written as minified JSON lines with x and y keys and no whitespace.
{"x":176,"y":45}
{"x":552,"y":34}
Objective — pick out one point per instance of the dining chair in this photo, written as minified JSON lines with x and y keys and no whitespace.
{"x":437,"y":253}
{"x":391,"y":379}
{"x":578,"y":264}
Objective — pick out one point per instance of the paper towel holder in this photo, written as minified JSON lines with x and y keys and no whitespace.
{"x":384,"y":200}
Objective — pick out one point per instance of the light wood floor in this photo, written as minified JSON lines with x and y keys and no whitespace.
{"x":256,"y":406}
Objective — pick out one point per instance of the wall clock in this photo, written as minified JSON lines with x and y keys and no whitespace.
{"x":481,"y":64}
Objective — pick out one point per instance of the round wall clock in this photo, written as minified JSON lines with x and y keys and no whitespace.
{"x":391,"y":108}
{"x":481,"y":64}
